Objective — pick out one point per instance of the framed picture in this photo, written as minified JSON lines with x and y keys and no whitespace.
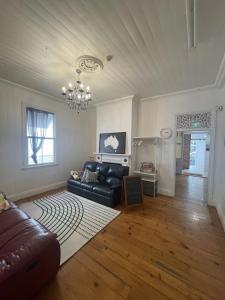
{"x":114,"y":142}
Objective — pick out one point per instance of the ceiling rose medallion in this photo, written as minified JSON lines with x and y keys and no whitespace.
{"x":77,"y":95}
{"x":89,"y":64}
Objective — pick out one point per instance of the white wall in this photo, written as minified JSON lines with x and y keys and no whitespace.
{"x":160,"y":112}
{"x":220,"y":165}
{"x":115,"y":116}
{"x":75,"y":142}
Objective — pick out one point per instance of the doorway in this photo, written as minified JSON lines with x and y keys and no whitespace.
{"x":192,"y":164}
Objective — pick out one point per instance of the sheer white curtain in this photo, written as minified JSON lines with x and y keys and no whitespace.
{"x":37,"y":125}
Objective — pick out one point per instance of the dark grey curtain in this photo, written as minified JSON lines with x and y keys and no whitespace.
{"x":37,"y":124}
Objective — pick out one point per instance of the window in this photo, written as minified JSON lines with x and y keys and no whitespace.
{"x":40,"y":137}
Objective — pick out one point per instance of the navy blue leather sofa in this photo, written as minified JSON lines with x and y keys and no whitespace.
{"x":108,"y":190}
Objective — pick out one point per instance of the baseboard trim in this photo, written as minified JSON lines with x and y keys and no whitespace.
{"x":212,"y":203}
{"x":221,"y":215}
{"x":35,"y":191}
{"x":165,"y":192}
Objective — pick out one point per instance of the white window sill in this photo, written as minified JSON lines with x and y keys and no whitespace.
{"x":39,"y":166}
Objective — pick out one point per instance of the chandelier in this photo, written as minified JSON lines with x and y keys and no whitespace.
{"x":77,"y":96}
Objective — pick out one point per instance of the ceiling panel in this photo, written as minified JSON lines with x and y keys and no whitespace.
{"x":40,"y":41}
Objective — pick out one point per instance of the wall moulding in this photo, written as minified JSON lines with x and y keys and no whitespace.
{"x":114,"y":100}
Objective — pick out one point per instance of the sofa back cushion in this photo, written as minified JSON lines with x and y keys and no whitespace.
{"x":114,"y":182}
{"x":90,"y":165}
{"x":115,"y":171}
{"x":107,"y":172}
{"x":102,"y":171}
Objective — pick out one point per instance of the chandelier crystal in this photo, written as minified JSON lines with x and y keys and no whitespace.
{"x":77,"y":96}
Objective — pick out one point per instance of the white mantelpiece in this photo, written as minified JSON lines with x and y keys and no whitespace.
{"x":123,"y":159}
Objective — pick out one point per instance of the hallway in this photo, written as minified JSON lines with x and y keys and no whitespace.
{"x":191,"y":188}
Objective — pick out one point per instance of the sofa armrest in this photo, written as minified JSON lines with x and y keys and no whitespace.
{"x":115,"y":186}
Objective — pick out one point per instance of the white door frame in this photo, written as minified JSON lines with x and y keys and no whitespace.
{"x":212,"y":133}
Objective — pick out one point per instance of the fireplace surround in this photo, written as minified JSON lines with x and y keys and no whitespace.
{"x":122,"y":159}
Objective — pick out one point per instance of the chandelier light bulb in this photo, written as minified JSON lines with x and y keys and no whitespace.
{"x":81,"y":86}
{"x":88,"y":88}
{"x":70,"y":88}
{"x":63,"y":91}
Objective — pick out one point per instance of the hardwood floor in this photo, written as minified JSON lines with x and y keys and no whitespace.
{"x":191,"y":188}
{"x":169,"y":249}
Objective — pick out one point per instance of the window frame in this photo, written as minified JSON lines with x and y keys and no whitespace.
{"x":25,"y":137}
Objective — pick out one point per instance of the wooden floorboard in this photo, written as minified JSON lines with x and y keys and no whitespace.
{"x":168,"y":249}
{"x":191,"y":188}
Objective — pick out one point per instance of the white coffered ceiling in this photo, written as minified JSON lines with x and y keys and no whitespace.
{"x":40,"y":41}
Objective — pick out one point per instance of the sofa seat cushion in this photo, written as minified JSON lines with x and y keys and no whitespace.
{"x":104,"y":190}
{"x":9,"y":218}
{"x":82,"y":185}
{"x":88,"y":185}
